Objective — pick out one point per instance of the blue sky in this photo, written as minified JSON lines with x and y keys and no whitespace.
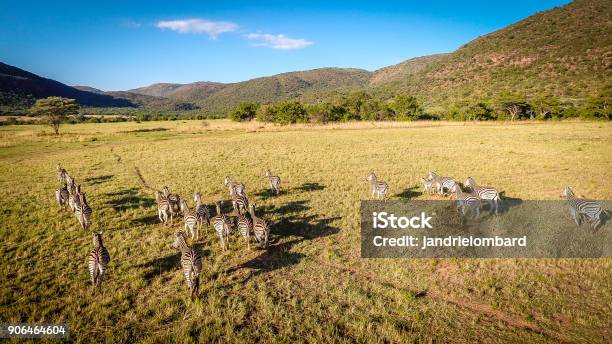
{"x":126,"y":44}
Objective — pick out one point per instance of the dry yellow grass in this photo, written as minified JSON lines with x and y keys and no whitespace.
{"x":311,"y":285}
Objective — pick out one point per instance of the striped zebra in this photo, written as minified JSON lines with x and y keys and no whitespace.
{"x":583,"y":209}
{"x":191,"y":263}
{"x":163,"y":208}
{"x":174,"y":200}
{"x":379,"y":188}
{"x":73,"y":192}
{"x":190,"y":220}
{"x":202,"y":212}
{"x":240,"y":204}
{"x":61,"y":196}
{"x":222,"y":225}
{"x":442,"y":183}
{"x":261,"y":229}
{"x":98,"y":260}
{"x":83,"y":212}
{"x":235,"y":188}
{"x":466,"y":202}
{"x":485,"y":193}
{"x":427,"y":186}
{"x":275,"y":182}
{"x":61,"y":174}
{"x":245,"y":226}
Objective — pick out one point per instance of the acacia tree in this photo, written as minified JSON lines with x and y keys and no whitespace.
{"x":55,"y":109}
{"x":244,"y":112}
{"x":515,"y":106}
{"x":545,"y":106}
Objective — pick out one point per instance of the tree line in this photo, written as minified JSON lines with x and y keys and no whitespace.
{"x":361,"y":105}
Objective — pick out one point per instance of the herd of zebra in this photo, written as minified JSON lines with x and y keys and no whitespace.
{"x":70,"y":195}
{"x":170,"y":205}
{"x":472,"y":201}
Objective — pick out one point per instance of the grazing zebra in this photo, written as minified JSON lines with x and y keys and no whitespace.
{"x":222,"y":225}
{"x":235,"y":188}
{"x":261,"y":229}
{"x":163,"y":208}
{"x":240,"y":204}
{"x":583,"y":209}
{"x":61,"y":174}
{"x":61,"y":196}
{"x":427,"y":185}
{"x":174,"y":200}
{"x":190,"y":220}
{"x":98,"y":260}
{"x":275,"y":182}
{"x":83,"y":212}
{"x":202,"y":212}
{"x":442,"y":183}
{"x":379,"y":188}
{"x":191,"y":263}
{"x":466,"y":202}
{"x":245,"y":226}
{"x":485,"y":193}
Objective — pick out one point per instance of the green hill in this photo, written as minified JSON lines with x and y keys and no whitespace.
{"x":566,"y":51}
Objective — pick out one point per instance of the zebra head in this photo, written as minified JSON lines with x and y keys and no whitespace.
{"x":470,"y":182}
{"x":227,"y":180}
{"x":97,"y":239}
{"x":183,"y":205}
{"x":268,"y":173}
{"x":371,"y":177}
{"x":567,"y":192}
{"x":252,"y":209}
{"x":165,"y":191}
{"x":218,"y":206}
{"x":197,"y":197}
{"x":432,"y":175}
{"x":179,"y":240}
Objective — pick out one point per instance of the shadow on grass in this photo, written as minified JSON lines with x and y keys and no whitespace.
{"x":267,"y":193}
{"x":129,"y":199}
{"x":146,"y":220}
{"x":292,"y":225}
{"x":98,"y":179}
{"x":408,"y":193}
{"x":310,"y":187}
{"x":159,"y":266}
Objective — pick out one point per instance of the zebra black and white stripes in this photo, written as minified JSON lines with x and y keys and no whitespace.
{"x":222,"y":225}
{"x":583,"y":209}
{"x":83,"y":211}
{"x":442,"y":183}
{"x":163,"y":208}
{"x":485,"y":193}
{"x":191,"y":263}
{"x":261,"y":229}
{"x":466,"y":202}
{"x":61,"y":196}
{"x":379,"y":188}
{"x":190,"y":220}
{"x":235,"y":188}
{"x":201,"y":211}
{"x":275,"y":182}
{"x":240,"y":204}
{"x":245,"y":226}
{"x":98,"y":260}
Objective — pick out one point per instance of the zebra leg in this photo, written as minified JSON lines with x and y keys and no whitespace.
{"x":575,"y":216}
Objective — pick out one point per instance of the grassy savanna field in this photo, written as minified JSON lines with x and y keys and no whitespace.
{"x":310,"y":285}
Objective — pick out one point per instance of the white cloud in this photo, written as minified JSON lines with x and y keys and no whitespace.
{"x":198,"y":26}
{"x":277,"y":41}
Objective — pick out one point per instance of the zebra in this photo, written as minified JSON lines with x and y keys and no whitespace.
{"x":98,"y":260}
{"x":190,"y":220}
{"x":261,"y":229}
{"x":427,"y":185}
{"x":222,"y":225}
{"x":61,"y":174}
{"x":163,"y":208}
{"x":583,"y":209}
{"x":235,"y":188}
{"x":245,"y":226}
{"x":191,"y":263}
{"x":83,"y":212}
{"x":379,"y":188}
{"x":174,"y":200}
{"x":275,"y":182}
{"x":73,"y":192}
{"x":441,"y":183}
{"x":485,"y":193}
{"x":240,"y":204}
{"x":61,"y":196}
{"x":466,"y":202}
{"x":201,"y":210}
